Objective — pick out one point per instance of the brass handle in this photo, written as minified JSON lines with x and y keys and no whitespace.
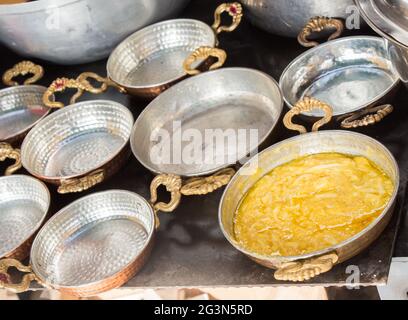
{"x":204,"y":53}
{"x":8,"y":152}
{"x":105,"y":84}
{"x":234,"y":10}
{"x":305,"y":105}
{"x":5,"y":281}
{"x":307,"y":269}
{"x":82,"y":184}
{"x":22,"y":69}
{"x":318,"y":24}
{"x":203,"y":186}
{"x":173,"y":185}
{"x":193,"y":187}
{"x":370,"y":116}
{"x":60,"y":85}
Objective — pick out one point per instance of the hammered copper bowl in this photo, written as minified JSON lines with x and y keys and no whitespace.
{"x":156,"y":57}
{"x":79,"y":146}
{"x":300,"y":268}
{"x":21,"y":108}
{"x":95,"y":244}
{"x":24,"y":203}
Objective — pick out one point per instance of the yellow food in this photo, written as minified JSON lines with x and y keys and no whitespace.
{"x":310,"y":204}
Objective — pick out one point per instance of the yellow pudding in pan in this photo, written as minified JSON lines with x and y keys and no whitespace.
{"x":311,"y":203}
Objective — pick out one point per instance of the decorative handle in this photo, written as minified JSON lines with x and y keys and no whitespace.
{"x":307,"y":269}
{"x":203,"y":186}
{"x":305,"y":105}
{"x":8,"y":152}
{"x":319,"y":24}
{"x":5,"y":280}
{"x":370,"y":116}
{"x":234,"y":10}
{"x":173,"y":185}
{"x":204,"y":53}
{"x":60,"y":85}
{"x":193,"y":187}
{"x":105,"y":84}
{"x":82,"y":184}
{"x":22,"y":69}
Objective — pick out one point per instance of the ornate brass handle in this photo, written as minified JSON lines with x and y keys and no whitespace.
{"x":173,"y":185}
{"x":305,"y":105}
{"x":8,"y":152}
{"x":82,"y":184}
{"x":318,"y":24}
{"x":307,"y":269}
{"x":203,"y":186}
{"x":370,"y":116}
{"x":22,"y":69}
{"x":105,"y":84}
{"x":195,"y":186}
{"x":234,"y":10}
{"x":204,"y":53}
{"x":5,"y":281}
{"x":60,"y":85}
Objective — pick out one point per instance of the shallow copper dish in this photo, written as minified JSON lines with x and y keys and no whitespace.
{"x":95,"y":244}
{"x":230,"y":100}
{"x":24,"y":203}
{"x":301,"y":268}
{"x":21,"y":106}
{"x":151,"y":60}
{"x":354,"y":75}
{"x":78,"y":146}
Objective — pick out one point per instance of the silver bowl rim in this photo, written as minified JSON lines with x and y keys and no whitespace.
{"x":326,"y":250}
{"x":85,"y":199}
{"x":35,"y":6}
{"x":183,"y":83}
{"x":55,"y":114}
{"x":29,"y":127}
{"x":330,"y":43}
{"x":141,"y":31}
{"x":377,"y":28}
{"x":40,"y":223}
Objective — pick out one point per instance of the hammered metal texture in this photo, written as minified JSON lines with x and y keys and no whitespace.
{"x":24,"y":203}
{"x":153,"y":57}
{"x":77,"y":140}
{"x":349,"y":74}
{"x":345,"y":142}
{"x":94,"y":244}
{"x":21,"y":108}
{"x":228,"y":99}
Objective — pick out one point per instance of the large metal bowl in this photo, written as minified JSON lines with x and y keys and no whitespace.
{"x":288,"y":17}
{"x":77,"y":31}
{"x":299,"y":268}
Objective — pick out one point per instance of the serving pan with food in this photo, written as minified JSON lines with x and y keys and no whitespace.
{"x":316,"y":200}
{"x":354,"y":75}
